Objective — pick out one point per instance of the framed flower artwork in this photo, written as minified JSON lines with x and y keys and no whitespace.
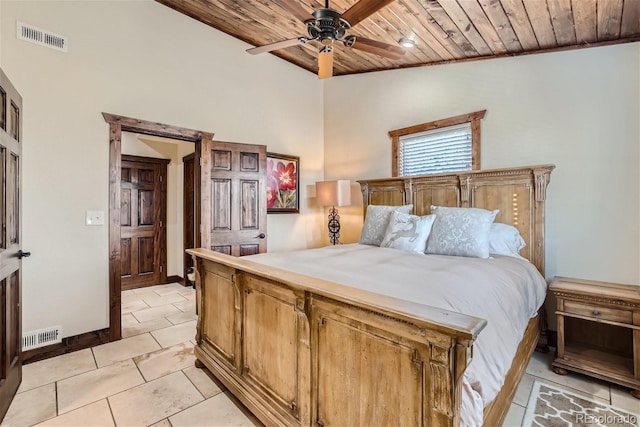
{"x":282,"y":183}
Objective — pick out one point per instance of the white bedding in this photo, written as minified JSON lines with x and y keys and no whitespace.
{"x":505,"y":291}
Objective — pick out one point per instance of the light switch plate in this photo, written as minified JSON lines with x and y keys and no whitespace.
{"x":95,"y":217}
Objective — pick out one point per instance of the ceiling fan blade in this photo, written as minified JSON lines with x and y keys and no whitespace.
{"x":294,"y":8}
{"x":362,"y":9}
{"x":378,"y":48}
{"x":274,"y":46}
{"x":325,"y":64}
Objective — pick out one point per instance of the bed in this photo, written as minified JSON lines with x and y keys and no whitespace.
{"x":335,"y":336}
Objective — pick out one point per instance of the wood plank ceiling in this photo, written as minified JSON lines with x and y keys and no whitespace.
{"x":444,"y":30}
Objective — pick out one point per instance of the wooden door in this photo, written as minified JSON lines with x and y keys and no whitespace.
{"x":189,"y":219}
{"x":234,"y":208}
{"x":143,"y":218}
{"x":10,"y":242}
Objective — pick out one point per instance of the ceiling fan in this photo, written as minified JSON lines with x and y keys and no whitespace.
{"x":328,"y":26}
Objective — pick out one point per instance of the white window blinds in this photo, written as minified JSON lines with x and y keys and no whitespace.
{"x":447,"y":149}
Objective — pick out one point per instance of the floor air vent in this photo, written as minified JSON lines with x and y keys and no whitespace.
{"x":41,"y":337}
{"x":43,"y":38}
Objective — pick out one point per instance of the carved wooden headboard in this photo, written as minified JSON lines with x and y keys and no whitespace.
{"x":519,"y":193}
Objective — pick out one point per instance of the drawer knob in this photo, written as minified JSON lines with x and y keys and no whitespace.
{"x":595,"y":312}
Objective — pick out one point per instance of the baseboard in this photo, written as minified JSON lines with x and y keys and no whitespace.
{"x":552,"y":338}
{"x":77,"y":342}
{"x":68,"y":345}
{"x":175,"y":279}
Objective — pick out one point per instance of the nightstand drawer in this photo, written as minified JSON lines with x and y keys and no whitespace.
{"x":597,"y":312}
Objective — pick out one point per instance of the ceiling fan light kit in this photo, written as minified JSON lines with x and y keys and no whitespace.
{"x":329,"y":26}
{"x":407,"y":42}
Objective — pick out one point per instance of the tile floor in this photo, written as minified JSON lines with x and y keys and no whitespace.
{"x":148,"y":378}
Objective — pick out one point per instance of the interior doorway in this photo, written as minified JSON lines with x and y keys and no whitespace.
{"x":229,"y":191}
{"x":157,"y":197}
{"x":117,"y":125}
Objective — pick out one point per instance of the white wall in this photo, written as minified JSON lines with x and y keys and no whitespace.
{"x":577,"y":109}
{"x":138,"y":59}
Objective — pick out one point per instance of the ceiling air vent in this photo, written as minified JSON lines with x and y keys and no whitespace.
{"x":43,"y":38}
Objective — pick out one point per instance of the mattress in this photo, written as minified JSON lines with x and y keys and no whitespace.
{"x":505,"y":291}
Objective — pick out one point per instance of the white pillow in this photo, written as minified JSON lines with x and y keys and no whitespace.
{"x":376,"y":221}
{"x":460,"y":231}
{"x":408,"y":232}
{"x":505,"y":240}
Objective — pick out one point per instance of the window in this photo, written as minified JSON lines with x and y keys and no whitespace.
{"x":447,"y":145}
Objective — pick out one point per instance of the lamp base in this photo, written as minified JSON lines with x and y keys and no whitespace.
{"x":334,"y":226}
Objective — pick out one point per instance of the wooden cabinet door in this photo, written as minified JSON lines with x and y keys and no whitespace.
{"x":143,"y":217}
{"x":234,"y":179}
{"x":219,"y":318}
{"x":381,"y":374}
{"x":10,"y":243}
{"x":274,"y":322}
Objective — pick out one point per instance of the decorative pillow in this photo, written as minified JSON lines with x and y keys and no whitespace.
{"x":376,"y":221}
{"x":506,"y":240}
{"x":460,"y":231}
{"x":408,"y":232}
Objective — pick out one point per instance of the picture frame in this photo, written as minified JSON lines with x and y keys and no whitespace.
{"x":283,"y":183}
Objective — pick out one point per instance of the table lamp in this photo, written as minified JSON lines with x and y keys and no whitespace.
{"x":332,"y":194}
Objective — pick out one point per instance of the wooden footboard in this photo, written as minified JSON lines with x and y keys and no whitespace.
{"x":496,"y":411}
{"x":300,"y":351}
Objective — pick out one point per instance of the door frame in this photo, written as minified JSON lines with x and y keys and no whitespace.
{"x":203,"y":142}
{"x":187,"y":228}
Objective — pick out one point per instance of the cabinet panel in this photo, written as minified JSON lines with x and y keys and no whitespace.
{"x":343,"y":356}
{"x":219,"y":325}
{"x":270,"y":326}
{"x":390,"y":197}
{"x":424,"y":197}
{"x":511,"y":210}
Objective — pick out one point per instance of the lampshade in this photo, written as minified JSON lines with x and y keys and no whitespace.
{"x":333,"y":193}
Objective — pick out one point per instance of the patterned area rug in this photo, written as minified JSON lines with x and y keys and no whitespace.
{"x":553,"y":407}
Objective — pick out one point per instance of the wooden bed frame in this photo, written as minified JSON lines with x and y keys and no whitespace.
{"x":302,"y":351}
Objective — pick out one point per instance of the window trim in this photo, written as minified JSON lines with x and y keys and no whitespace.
{"x":474,"y":118}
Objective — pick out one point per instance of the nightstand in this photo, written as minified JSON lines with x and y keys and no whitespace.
{"x":598,"y":330}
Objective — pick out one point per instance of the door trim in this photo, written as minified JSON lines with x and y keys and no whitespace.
{"x":117,"y":125}
{"x":187,"y":228}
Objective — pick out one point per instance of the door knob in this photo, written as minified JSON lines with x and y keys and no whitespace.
{"x":22,"y":254}
{"x":261,"y":236}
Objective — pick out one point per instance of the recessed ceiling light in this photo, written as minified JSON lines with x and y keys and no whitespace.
{"x":406,"y":42}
